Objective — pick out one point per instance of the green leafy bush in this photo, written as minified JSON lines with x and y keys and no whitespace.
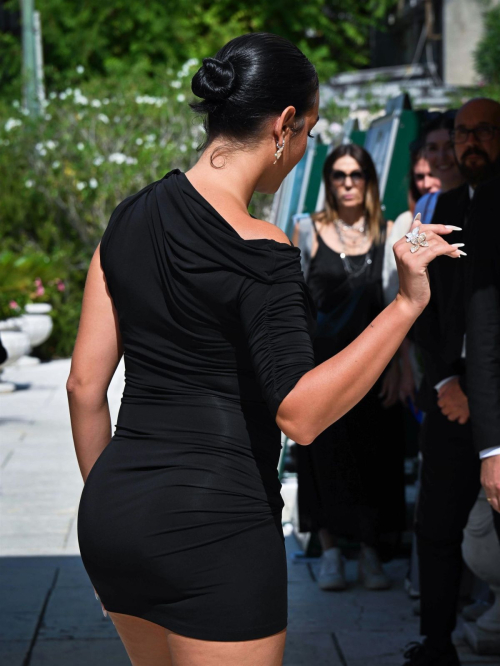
{"x":487,"y":53}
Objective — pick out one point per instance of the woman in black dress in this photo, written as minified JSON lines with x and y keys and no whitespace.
{"x":351,"y":481}
{"x":179,"y":521}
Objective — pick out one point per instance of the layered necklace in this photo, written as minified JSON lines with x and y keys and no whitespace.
{"x":350,"y":237}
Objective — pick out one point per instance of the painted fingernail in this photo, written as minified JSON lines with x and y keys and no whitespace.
{"x":96,"y":595}
{"x":450,"y":226}
{"x":458,"y":244}
{"x":462,"y":253}
{"x":418,"y":217}
{"x":105,"y":612}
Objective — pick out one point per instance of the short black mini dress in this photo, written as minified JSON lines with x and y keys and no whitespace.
{"x":180,"y":518}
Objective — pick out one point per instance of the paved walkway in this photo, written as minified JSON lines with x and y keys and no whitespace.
{"x":48,"y":613}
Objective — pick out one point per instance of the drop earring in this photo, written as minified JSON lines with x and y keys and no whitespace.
{"x":279,"y":152}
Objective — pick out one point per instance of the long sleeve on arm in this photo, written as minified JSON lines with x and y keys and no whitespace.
{"x":277,"y":320}
{"x":483,"y":348}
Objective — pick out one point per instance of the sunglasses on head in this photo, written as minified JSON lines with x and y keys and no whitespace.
{"x":356,"y":176}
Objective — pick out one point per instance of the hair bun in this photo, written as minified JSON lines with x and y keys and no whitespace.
{"x":215,"y":80}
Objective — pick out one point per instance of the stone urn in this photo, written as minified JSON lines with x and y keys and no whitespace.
{"x":37,"y":324}
{"x":17,"y":343}
{"x":481,"y":551}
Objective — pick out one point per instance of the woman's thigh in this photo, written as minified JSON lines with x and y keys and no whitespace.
{"x":266,"y":651}
{"x":145,"y":642}
{"x":149,"y":644}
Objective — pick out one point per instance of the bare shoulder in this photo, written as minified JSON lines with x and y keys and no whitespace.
{"x":256,"y":229}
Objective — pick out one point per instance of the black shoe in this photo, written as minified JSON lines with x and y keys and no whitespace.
{"x":423,"y":654}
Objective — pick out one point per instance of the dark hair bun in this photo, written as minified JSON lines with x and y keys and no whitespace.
{"x":215,"y":80}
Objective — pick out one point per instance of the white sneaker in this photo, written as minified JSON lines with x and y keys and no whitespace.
{"x":371,"y":573}
{"x":331,"y":572}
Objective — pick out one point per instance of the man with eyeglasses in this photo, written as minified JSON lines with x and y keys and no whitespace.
{"x":450,"y":476}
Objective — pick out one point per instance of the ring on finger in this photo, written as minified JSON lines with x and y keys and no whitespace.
{"x":416,"y":239}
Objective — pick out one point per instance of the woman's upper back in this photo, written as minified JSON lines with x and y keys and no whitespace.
{"x":199,"y":306}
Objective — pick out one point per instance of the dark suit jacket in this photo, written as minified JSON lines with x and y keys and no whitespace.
{"x":483,"y":315}
{"x":439,"y":331}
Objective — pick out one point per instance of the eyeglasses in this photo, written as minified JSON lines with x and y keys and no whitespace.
{"x":483,"y":132}
{"x":356,"y":177}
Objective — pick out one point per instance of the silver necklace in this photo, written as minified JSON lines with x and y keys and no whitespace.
{"x":349,"y":268}
{"x":350,"y":227}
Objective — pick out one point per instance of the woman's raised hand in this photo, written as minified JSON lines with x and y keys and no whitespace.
{"x":414,"y":253}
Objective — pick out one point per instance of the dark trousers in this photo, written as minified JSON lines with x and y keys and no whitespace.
{"x":449,"y":488}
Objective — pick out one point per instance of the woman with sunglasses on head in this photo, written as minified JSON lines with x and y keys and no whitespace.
{"x":351,"y":480}
{"x":179,"y":523}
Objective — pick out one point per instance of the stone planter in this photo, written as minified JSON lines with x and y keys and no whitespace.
{"x":37,"y":324}
{"x":17,"y":344}
{"x":481,"y":551}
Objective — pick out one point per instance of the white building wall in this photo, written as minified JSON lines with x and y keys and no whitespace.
{"x":462,"y":29}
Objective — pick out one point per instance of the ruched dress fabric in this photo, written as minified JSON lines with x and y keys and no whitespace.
{"x":180,"y":517}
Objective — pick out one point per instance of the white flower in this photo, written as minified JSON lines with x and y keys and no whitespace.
{"x":335,"y":128}
{"x":116,"y":119}
{"x":52,"y":95}
{"x":105,"y":100}
{"x":42,"y":152}
{"x":93,"y":183}
{"x":68,"y":91}
{"x":139,"y":141}
{"x":29,"y":183}
{"x":16,"y":104}
{"x":81,"y":185}
{"x":181,"y":97}
{"x":131,"y":160}
{"x":80,"y":99}
{"x":98,"y":160}
{"x":150,"y":138}
{"x":96,"y":103}
{"x":62,"y":95}
{"x":183,"y":147}
{"x":176,"y":84}
{"x":103,"y":118}
{"x":80,"y":69}
{"x":48,"y":116}
{"x":50,"y":144}
{"x":117,"y":158}
{"x":25,"y":111}
{"x":11,"y":123}
{"x":80,"y":145}
{"x":194,"y":144}
{"x":56,"y":164}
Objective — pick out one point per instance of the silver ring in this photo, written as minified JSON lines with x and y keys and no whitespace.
{"x":416,"y":239}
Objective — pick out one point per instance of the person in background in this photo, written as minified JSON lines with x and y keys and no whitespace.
{"x":483,"y":340}
{"x":422,"y":182}
{"x":450,"y":464}
{"x":351,"y":480}
{"x":439,"y":153}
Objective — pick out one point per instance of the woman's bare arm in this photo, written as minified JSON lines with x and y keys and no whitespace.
{"x":327,"y":392}
{"x":97,"y":352}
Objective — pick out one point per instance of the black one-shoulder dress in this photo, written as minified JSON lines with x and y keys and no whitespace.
{"x":180,"y":518}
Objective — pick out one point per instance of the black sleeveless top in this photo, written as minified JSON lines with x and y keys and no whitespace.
{"x":346,"y":303}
